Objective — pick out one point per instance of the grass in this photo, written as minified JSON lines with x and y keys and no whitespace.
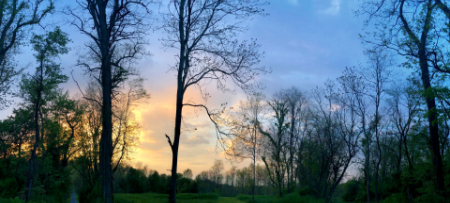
{"x":163,"y":198}
{"x":289,"y":198}
{"x":213,"y":198}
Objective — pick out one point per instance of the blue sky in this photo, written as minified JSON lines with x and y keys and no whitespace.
{"x":305,"y":42}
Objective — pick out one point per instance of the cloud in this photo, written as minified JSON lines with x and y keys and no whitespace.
{"x":196,"y":140}
{"x":334,"y":8}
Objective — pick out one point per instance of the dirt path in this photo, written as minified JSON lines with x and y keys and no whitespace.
{"x":73,"y":197}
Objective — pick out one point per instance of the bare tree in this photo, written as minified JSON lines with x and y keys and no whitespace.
{"x":295,"y":102}
{"x":205,"y":34}
{"x":276,"y":143}
{"x":354,"y":86}
{"x":405,"y":107}
{"x":246,"y":137}
{"x":377,"y":77}
{"x":117,"y":30}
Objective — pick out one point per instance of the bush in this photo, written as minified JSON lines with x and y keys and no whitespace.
{"x":305,"y":191}
{"x":395,"y":198}
{"x":351,"y":188}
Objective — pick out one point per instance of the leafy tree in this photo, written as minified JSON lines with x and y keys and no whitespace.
{"x":15,"y":17}
{"x":416,"y":37}
{"x":42,"y":86}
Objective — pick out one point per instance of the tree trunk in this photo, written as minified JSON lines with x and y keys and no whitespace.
{"x":33,"y":153}
{"x":432,"y":122}
{"x":31,"y":170}
{"x":429,"y":94}
{"x":254,"y":176}
{"x":106,"y":139}
{"x":176,"y":141}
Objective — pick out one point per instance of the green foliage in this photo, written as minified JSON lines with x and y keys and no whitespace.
{"x":351,"y":188}
{"x":307,"y":191}
{"x":136,"y":181}
{"x":395,"y":198}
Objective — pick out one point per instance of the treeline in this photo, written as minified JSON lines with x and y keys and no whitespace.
{"x":51,"y":138}
{"x":216,"y":180}
{"x":367,"y":128}
{"x":387,"y":136}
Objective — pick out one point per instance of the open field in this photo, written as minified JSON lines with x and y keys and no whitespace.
{"x":211,"y":198}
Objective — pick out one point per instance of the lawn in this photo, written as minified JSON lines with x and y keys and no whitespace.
{"x":182,"y":198}
{"x":211,"y":198}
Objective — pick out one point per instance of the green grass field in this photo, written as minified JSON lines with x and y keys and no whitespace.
{"x":212,"y":198}
{"x":163,"y":198}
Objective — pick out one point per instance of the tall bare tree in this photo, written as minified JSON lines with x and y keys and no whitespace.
{"x":205,"y":34}
{"x":295,"y":102}
{"x":246,"y":137}
{"x":116,"y":29}
{"x":276,"y":143}
{"x":377,"y":76}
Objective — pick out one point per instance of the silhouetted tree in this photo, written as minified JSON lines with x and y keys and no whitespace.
{"x":116,"y":29}
{"x":41,"y":87}
{"x":209,"y":51}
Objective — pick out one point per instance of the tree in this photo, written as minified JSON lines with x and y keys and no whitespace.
{"x":41,"y":87}
{"x":415,"y":36}
{"x":404,"y":100}
{"x":276,"y":143}
{"x":187,"y":173}
{"x":295,"y":101}
{"x":377,"y":77}
{"x":354,"y":86}
{"x":116,"y":29}
{"x":15,"y":16}
{"x":125,"y":133}
{"x":247,"y":139}
{"x":209,"y":51}
{"x":215,"y":173}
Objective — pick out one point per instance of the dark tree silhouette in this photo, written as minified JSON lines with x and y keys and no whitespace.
{"x":116,"y":28}
{"x":15,"y":16}
{"x":39,"y":87}
{"x":209,"y":51}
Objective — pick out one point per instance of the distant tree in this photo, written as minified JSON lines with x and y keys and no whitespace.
{"x":215,"y":173}
{"x":355,"y":87}
{"x":209,"y":51}
{"x":377,"y":76}
{"x":276,"y":143}
{"x":187,"y":173}
{"x":154,"y":182}
{"x":15,"y":16}
{"x":246,"y":136}
{"x":295,"y":100}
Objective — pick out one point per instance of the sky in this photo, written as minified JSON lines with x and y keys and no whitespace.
{"x":305,"y":42}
